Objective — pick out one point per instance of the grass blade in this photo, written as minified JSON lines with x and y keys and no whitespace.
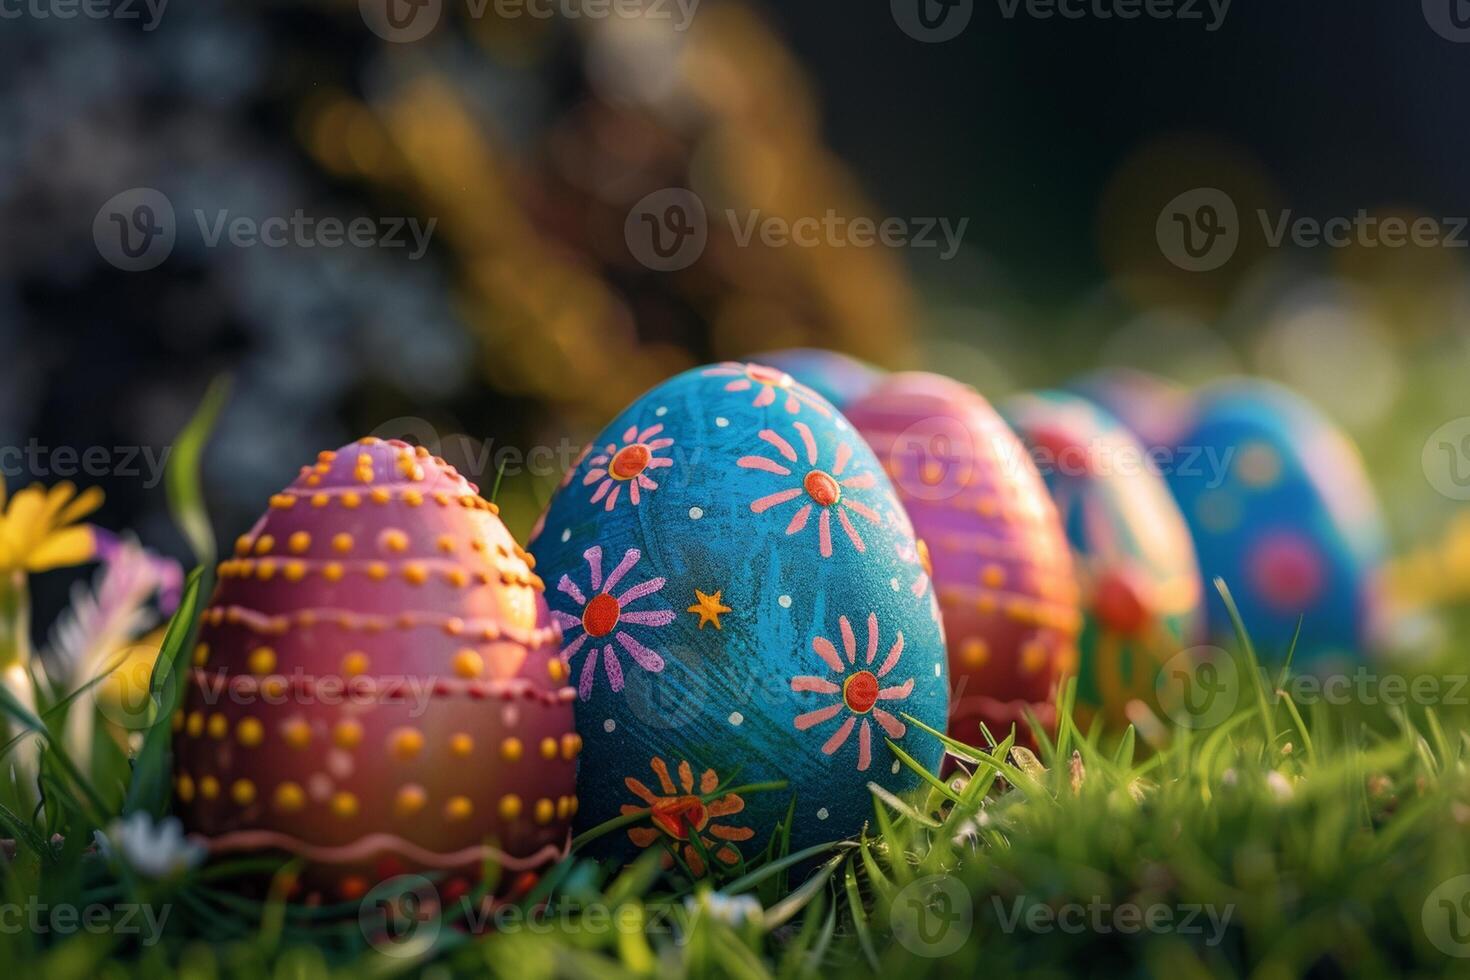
{"x":181,"y":480}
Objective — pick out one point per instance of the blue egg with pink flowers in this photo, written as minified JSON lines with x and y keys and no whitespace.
{"x":747,"y":618}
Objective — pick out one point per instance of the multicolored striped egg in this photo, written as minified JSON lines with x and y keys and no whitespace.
{"x":1281,"y":508}
{"x":1135,"y":562}
{"x":839,"y":378}
{"x":1001,"y":565}
{"x":747,"y":621}
{"x":376,"y":687}
{"x":1154,"y":409}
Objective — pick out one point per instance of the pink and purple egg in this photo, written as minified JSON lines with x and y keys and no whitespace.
{"x":1001,"y":566}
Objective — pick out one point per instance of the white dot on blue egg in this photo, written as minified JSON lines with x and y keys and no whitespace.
{"x":895,"y":767}
{"x":784,"y":601}
{"x":736,"y":718}
{"x":721,"y":421}
{"x":893,"y":582}
{"x":609,"y":726}
{"x":661,"y":411}
{"x":695,"y":513}
{"x":566,"y":535}
{"x":822,"y":814}
{"x":938,"y":668}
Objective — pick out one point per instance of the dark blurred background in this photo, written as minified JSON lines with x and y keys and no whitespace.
{"x":527,"y":140}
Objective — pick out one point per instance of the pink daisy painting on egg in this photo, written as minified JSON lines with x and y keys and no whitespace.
{"x":603,"y":619}
{"x":769,"y":384}
{"x":825,"y":492}
{"x":627,"y":464}
{"x":856,"y":690}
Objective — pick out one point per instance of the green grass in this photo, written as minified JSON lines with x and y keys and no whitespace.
{"x":1284,"y":841}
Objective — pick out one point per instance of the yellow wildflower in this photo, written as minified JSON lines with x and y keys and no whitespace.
{"x":39,"y":530}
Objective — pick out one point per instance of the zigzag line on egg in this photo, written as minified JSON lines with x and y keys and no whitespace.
{"x":371,"y":845}
{"x":277,"y":625}
{"x":507,"y":689}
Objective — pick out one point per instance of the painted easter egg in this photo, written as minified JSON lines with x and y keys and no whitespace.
{"x":1281,"y":508}
{"x":1135,"y":564}
{"x":376,"y":687}
{"x":1154,"y":409}
{"x":839,"y":378}
{"x":738,"y":611}
{"x":1000,"y":562}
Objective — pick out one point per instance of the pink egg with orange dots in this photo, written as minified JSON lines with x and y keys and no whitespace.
{"x":376,"y":688}
{"x":1001,"y":566}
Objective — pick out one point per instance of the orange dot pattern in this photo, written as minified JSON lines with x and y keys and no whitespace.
{"x":376,"y":659}
{"x":1002,"y":569}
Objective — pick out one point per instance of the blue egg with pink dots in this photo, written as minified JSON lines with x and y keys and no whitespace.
{"x":743,"y":604}
{"x":1280,"y":507}
{"x":839,"y":378}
